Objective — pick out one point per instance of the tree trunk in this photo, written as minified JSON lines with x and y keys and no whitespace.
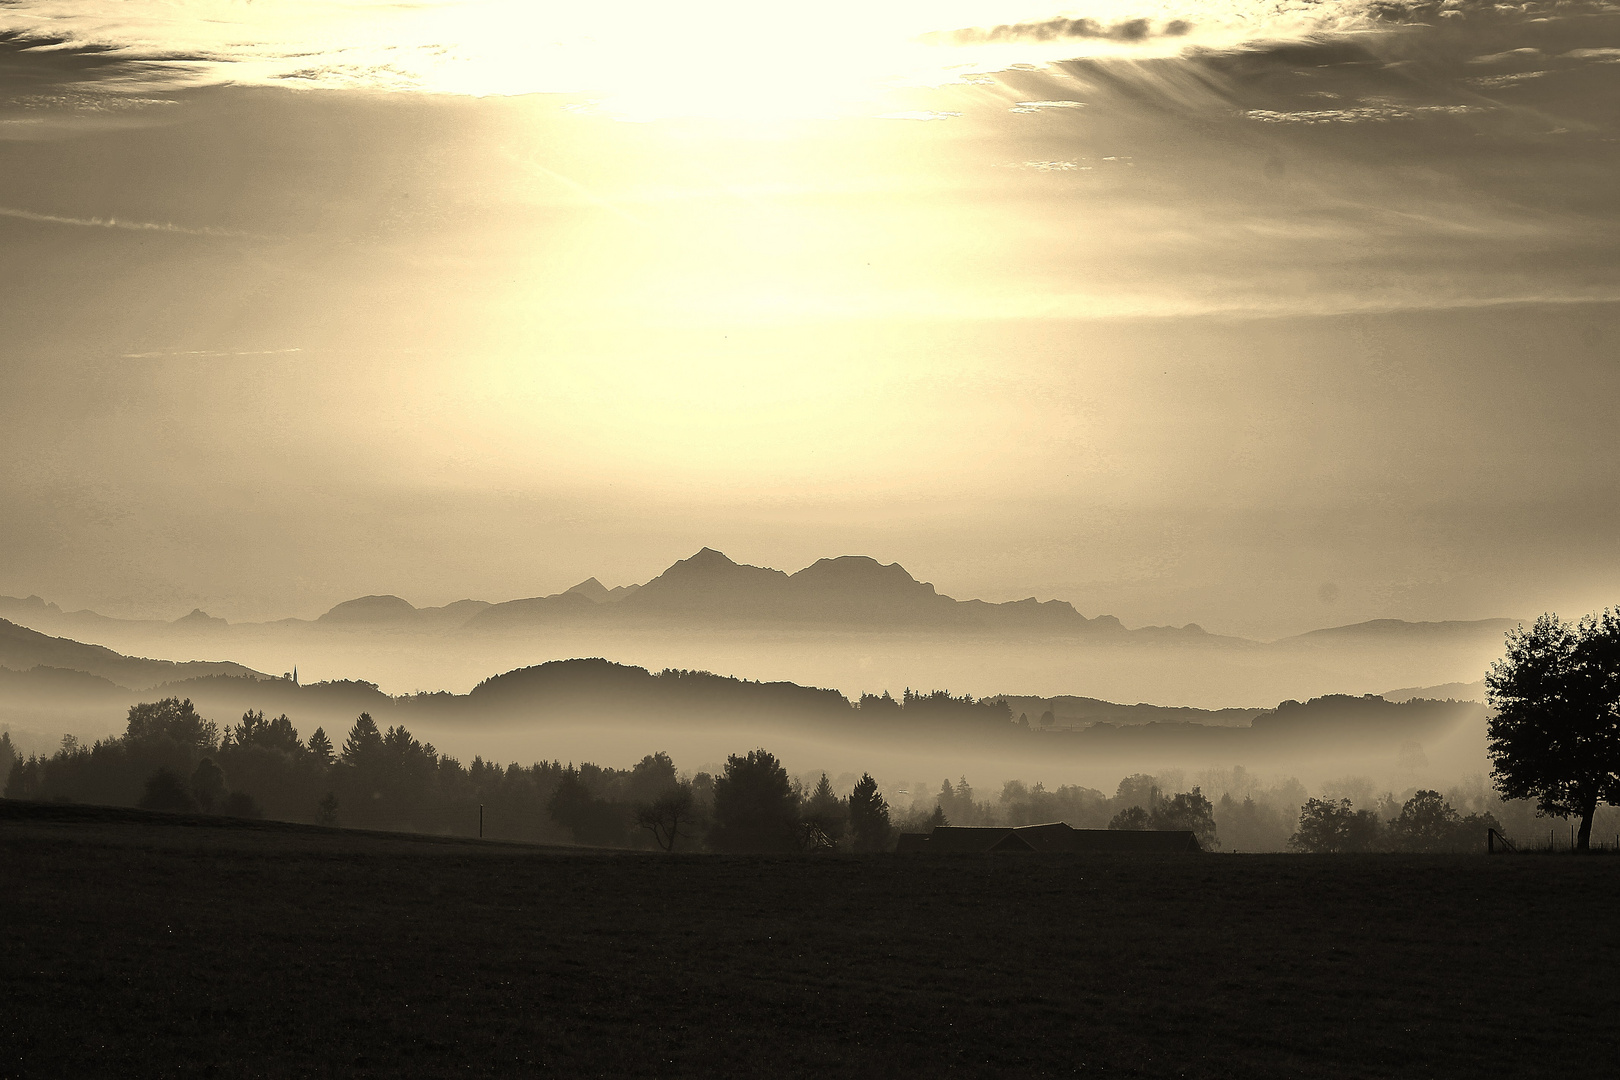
{"x":1583,"y":839}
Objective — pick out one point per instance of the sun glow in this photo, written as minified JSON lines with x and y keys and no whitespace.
{"x":643,"y":59}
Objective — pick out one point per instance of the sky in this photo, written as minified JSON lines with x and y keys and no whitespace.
{"x":1261,"y":316}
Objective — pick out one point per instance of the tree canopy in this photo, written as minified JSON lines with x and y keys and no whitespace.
{"x":755,"y":808}
{"x":1555,"y":726}
{"x":1327,"y":827}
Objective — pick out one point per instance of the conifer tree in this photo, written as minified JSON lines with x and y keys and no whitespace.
{"x":869,"y":816}
{"x":320,"y":747}
{"x":827,"y":811}
{"x":364,"y":743}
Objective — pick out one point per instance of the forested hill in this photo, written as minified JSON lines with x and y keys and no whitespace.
{"x":597,"y":684}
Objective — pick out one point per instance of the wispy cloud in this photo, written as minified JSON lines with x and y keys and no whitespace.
{"x":122,"y":223}
{"x":205,"y":353}
{"x":1043,"y":106}
{"x":1377,"y":114}
{"x":1062,"y":29}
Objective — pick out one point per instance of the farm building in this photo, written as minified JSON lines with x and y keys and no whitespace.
{"x":1053,"y":838}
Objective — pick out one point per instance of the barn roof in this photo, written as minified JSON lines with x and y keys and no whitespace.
{"x":1052,"y":838}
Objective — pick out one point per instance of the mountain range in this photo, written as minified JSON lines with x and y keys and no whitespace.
{"x":709,"y":590}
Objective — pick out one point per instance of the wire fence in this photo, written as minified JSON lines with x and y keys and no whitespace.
{"x":1556,"y":842}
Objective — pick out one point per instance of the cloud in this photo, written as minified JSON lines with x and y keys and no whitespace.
{"x":1363,"y":114}
{"x":1050,"y":166}
{"x":917,"y":114}
{"x":119,"y":223}
{"x":1060,"y":30}
{"x":1043,"y":106}
{"x":205,"y":353}
{"x":1498,"y":82}
{"x":1505,"y":57}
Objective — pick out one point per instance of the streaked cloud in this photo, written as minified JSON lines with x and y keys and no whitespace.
{"x":917,"y":114}
{"x":1045,"y":106}
{"x":1061,"y":29}
{"x":121,"y":223}
{"x":1361,"y":114}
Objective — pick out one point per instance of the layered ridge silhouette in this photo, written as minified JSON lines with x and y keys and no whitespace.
{"x":605,"y":694}
{"x":710,"y":590}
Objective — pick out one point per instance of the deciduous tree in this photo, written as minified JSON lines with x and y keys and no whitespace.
{"x":667,"y":816}
{"x":1329,"y":827}
{"x":1190,"y":812}
{"x":1555,"y":725}
{"x":172,"y":719}
{"x":1131,"y":818}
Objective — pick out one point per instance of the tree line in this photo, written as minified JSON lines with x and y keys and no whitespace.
{"x":1554,"y":742}
{"x":172,"y":758}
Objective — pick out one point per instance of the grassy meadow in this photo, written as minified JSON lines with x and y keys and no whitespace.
{"x":138,"y":944}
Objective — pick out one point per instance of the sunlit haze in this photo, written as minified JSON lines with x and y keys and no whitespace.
{"x":1265,"y":317}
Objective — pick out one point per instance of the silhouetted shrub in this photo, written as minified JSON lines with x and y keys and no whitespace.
{"x":1131,"y":818}
{"x":166,"y":791}
{"x":588,"y":818}
{"x":208,"y":785}
{"x":240,"y":804}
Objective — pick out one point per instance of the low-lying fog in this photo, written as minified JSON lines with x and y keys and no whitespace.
{"x":1209,"y":673}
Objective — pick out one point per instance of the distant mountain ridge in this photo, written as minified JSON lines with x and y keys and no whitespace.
{"x":22,"y":649}
{"x":1392,"y":631}
{"x":851,"y":592}
{"x":709,"y":590}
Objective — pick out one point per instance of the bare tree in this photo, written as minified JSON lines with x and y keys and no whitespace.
{"x":665,"y":816}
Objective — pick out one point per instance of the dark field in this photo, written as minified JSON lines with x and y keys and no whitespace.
{"x":132,"y":948}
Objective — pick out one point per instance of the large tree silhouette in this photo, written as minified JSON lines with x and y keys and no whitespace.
{"x":1555,"y":729}
{"x":754,"y":806}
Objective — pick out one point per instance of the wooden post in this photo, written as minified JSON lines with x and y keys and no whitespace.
{"x":480,"y":821}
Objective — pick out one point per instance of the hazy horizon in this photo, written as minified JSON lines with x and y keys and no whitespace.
{"x":1264,"y":318}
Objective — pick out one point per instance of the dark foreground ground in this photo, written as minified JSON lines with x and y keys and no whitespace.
{"x":132,"y":948}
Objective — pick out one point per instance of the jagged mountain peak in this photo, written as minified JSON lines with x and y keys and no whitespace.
{"x":591,"y":589}
{"x":198,"y":617}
